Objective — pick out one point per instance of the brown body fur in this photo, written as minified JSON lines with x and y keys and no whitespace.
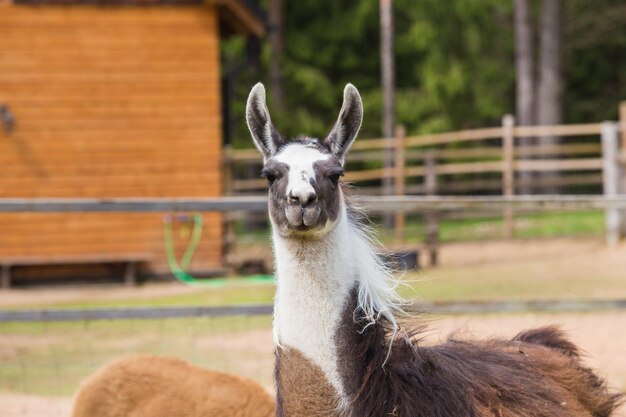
{"x":538,"y":373}
{"x":303,"y":388}
{"x":152,"y":386}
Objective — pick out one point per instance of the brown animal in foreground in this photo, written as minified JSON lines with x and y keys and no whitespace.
{"x":153,"y":386}
{"x":339,"y":349}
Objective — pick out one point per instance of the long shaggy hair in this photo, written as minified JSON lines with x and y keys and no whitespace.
{"x":377,"y":292}
{"x":537,"y":373}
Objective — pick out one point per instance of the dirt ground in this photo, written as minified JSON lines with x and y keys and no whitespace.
{"x":97,"y":292}
{"x":600,"y":334}
{"x":22,"y":405}
{"x":559,"y":259}
{"x":536,"y":251}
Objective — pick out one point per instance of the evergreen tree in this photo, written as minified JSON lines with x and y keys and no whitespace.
{"x":455,"y":64}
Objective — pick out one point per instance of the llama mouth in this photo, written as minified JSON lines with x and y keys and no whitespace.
{"x":303,"y":231}
{"x":302,"y":218}
{"x":302,"y":228}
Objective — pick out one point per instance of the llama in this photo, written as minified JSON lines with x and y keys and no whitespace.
{"x":154,"y":386}
{"x":339,"y":349}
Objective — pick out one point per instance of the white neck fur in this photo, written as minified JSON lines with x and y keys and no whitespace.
{"x":314,"y":280}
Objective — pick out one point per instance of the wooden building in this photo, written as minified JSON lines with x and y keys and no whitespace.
{"x":110,"y":98}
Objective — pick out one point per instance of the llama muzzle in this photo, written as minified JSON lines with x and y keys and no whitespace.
{"x":302,"y":217}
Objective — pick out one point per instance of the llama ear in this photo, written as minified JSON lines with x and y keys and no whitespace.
{"x":264,"y":134}
{"x":348,"y":123}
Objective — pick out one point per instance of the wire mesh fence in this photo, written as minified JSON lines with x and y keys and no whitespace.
{"x":43,"y":362}
{"x":44,"y":355}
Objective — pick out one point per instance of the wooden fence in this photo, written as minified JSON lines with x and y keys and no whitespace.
{"x":399,"y":205}
{"x":584,"y":158}
{"x":461,"y":153}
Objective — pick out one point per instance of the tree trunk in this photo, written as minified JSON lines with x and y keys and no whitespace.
{"x":387,"y":66}
{"x":525,"y":98}
{"x":388,"y":85}
{"x":549,"y":97}
{"x":277,"y":49}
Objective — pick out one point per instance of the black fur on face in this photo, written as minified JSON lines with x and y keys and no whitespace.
{"x":308,"y":210}
{"x":294,"y":218}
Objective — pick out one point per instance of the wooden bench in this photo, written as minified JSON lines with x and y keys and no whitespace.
{"x":128,"y":260}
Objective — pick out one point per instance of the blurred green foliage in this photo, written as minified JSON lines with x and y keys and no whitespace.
{"x":455,"y":64}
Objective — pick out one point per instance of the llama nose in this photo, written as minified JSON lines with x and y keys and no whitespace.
{"x":302,"y":199}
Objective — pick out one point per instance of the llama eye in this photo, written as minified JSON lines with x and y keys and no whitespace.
{"x":334,"y":177}
{"x":268,"y":176}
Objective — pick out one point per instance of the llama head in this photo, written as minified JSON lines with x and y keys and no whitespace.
{"x":305,"y":198}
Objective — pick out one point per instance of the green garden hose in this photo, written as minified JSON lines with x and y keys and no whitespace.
{"x":179,"y":270}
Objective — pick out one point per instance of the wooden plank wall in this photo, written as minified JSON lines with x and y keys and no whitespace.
{"x":109,"y":102}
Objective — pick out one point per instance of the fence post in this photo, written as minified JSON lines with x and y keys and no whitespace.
{"x":5,"y":276}
{"x":508,"y":171}
{"x":622,"y":124}
{"x":399,"y":183}
{"x":610,"y":179}
{"x":387,"y":182}
{"x":432,"y":224}
{"x":228,"y":224}
{"x":622,"y":161}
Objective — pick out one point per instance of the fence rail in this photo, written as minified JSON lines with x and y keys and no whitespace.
{"x":376,"y":153}
{"x":471,"y":135}
{"x":400,"y":205}
{"x":404,"y":203}
{"x":439,"y":307}
{"x":474,"y":153}
{"x":481,"y":160}
{"x":134,"y":313}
